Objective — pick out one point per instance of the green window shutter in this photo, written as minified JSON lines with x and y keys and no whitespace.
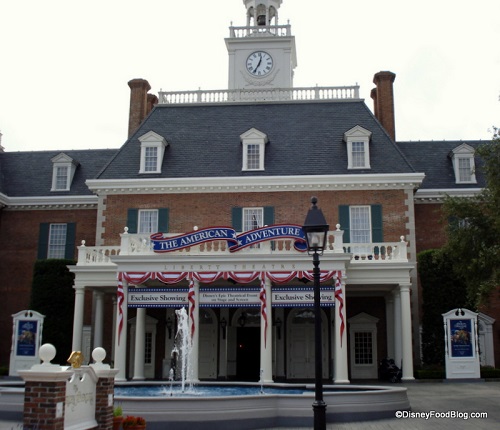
{"x":43,"y":240}
{"x":268,"y":215}
{"x":132,"y":220}
{"x":69,"y":251}
{"x":376,"y":215}
{"x":237,"y":219}
{"x":344,"y":221}
{"x":163,"y":220}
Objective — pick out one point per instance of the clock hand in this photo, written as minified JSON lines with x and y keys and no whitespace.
{"x":258,"y":65}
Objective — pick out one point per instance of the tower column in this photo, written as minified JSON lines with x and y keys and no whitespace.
{"x":140,"y":344}
{"x":99,"y":318}
{"x":341,"y":374}
{"x":78,"y":317}
{"x":407,"y":349}
{"x":120,"y":357}
{"x":266,"y":341}
{"x":194,"y":311}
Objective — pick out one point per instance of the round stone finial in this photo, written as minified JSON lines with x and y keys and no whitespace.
{"x":47,"y":353}
{"x":337,"y":226}
{"x":99,"y":354}
{"x":125,"y":229}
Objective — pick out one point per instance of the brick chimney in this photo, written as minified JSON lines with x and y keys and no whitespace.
{"x":138,"y":103}
{"x":383,"y":100}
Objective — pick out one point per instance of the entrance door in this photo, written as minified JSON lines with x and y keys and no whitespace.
{"x":363,"y":342}
{"x":207,"y":361}
{"x":301,"y":346}
{"x":248,"y":353}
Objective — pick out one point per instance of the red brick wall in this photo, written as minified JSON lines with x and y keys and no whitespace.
{"x":204,"y":210}
{"x":40,"y":400}
{"x":18,"y":252}
{"x":429,"y":227}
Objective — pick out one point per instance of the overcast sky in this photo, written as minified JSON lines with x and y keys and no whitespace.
{"x":65,"y":64}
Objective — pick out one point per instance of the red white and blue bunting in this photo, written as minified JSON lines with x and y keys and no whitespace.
{"x":144,"y":297}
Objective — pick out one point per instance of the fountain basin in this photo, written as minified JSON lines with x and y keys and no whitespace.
{"x":256,"y":411}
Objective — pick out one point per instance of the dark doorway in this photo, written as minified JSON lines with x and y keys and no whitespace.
{"x":248,"y":354}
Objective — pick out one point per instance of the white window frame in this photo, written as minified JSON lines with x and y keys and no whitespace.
{"x":358,"y":135}
{"x":458,"y":155}
{"x":140,"y":222}
{"x":352,"y":224}
{"x":56,"y":247}
{"x":62,"y":161}
{"x":249,"y":139}
{"x":152,"y":140}
{"x":247,"y":222}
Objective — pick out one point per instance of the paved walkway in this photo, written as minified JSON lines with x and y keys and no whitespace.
{"x":450,"y":405}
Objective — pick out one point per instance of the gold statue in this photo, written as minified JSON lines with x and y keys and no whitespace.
{"x":76,"y":359}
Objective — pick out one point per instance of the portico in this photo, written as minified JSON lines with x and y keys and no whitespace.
{"x":250,"y":289}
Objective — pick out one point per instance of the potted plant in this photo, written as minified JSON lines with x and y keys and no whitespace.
{"x":134,"y":423}
{"x":117,"y":417}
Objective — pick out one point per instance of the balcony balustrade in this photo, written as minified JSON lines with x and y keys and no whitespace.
{"x":141,"y":244}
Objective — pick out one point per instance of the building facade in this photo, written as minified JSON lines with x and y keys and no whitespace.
{"x":201,"y":208}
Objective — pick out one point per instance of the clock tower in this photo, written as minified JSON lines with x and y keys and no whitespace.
{"x":261,"y":54}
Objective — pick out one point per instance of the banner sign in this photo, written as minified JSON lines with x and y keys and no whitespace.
{"x":26,"y":338}
{"x":460,"y":337}
{"x":227,"y":297}
{"x":157,"y":297}
{"x":292,"y":297}
{"x":234,"y":241}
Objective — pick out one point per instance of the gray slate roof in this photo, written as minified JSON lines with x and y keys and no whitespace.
{"x":432,"y":158}
{"x":29,"y":174}
{"x":304,"y":139}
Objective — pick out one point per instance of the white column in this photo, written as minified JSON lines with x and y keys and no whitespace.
{"x":398,"y":355}
{"x":341,"y":375}
{"x":195,"y":341}
{"x":99,"y":318}
{"x":407,"y":348}
{"x":78,"y":317}
{"x":389,"y":317}
{"x":121,"y":339}
{"x":266,"y":339}
{"x":140,"y":344}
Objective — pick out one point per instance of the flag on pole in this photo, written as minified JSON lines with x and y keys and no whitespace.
{"x":263,"y":308}
{"x":192,"y":304}
{"x":340,"y":299}
{"x":120,"y":297}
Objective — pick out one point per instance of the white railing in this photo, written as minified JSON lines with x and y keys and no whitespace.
{"x":377,"y":252}
{"x":261,"y":31}
{"x":270,"y":94}
{"x":137,"y":244}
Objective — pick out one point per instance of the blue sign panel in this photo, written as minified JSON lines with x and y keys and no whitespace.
{"x":26,"y":338}
{"x":461,"y":338}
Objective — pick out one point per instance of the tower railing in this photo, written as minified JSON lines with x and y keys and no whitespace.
{"x":251,"y":95}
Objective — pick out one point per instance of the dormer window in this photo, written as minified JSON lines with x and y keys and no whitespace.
{"x":358,"y":148}
{"x":464,"y":167}
{"x":254,"y":145}
{"x":63,"y":171}
{"x":152,"y":151}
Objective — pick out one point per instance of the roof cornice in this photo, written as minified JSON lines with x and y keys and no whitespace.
{"x":245,"y":184}
{"x":439,"y":195}
{"x":49,"y":202}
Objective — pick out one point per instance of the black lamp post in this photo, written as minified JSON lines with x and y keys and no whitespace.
{"x":316,"y":230}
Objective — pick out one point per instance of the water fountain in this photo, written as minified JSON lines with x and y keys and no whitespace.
{"x":245,"y":405}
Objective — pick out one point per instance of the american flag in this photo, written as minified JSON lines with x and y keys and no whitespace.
{"x":263,"y":308}
{"x":120,"y":296}
{"x":340,"y":299}
{"x":192,"y":304}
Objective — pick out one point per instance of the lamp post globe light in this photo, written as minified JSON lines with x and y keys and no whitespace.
{"x":315,"y":231}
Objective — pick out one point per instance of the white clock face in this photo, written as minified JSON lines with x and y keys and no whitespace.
{"x":259,"y":63}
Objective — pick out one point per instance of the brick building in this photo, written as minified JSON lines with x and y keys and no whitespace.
{"x":203,"y":167}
